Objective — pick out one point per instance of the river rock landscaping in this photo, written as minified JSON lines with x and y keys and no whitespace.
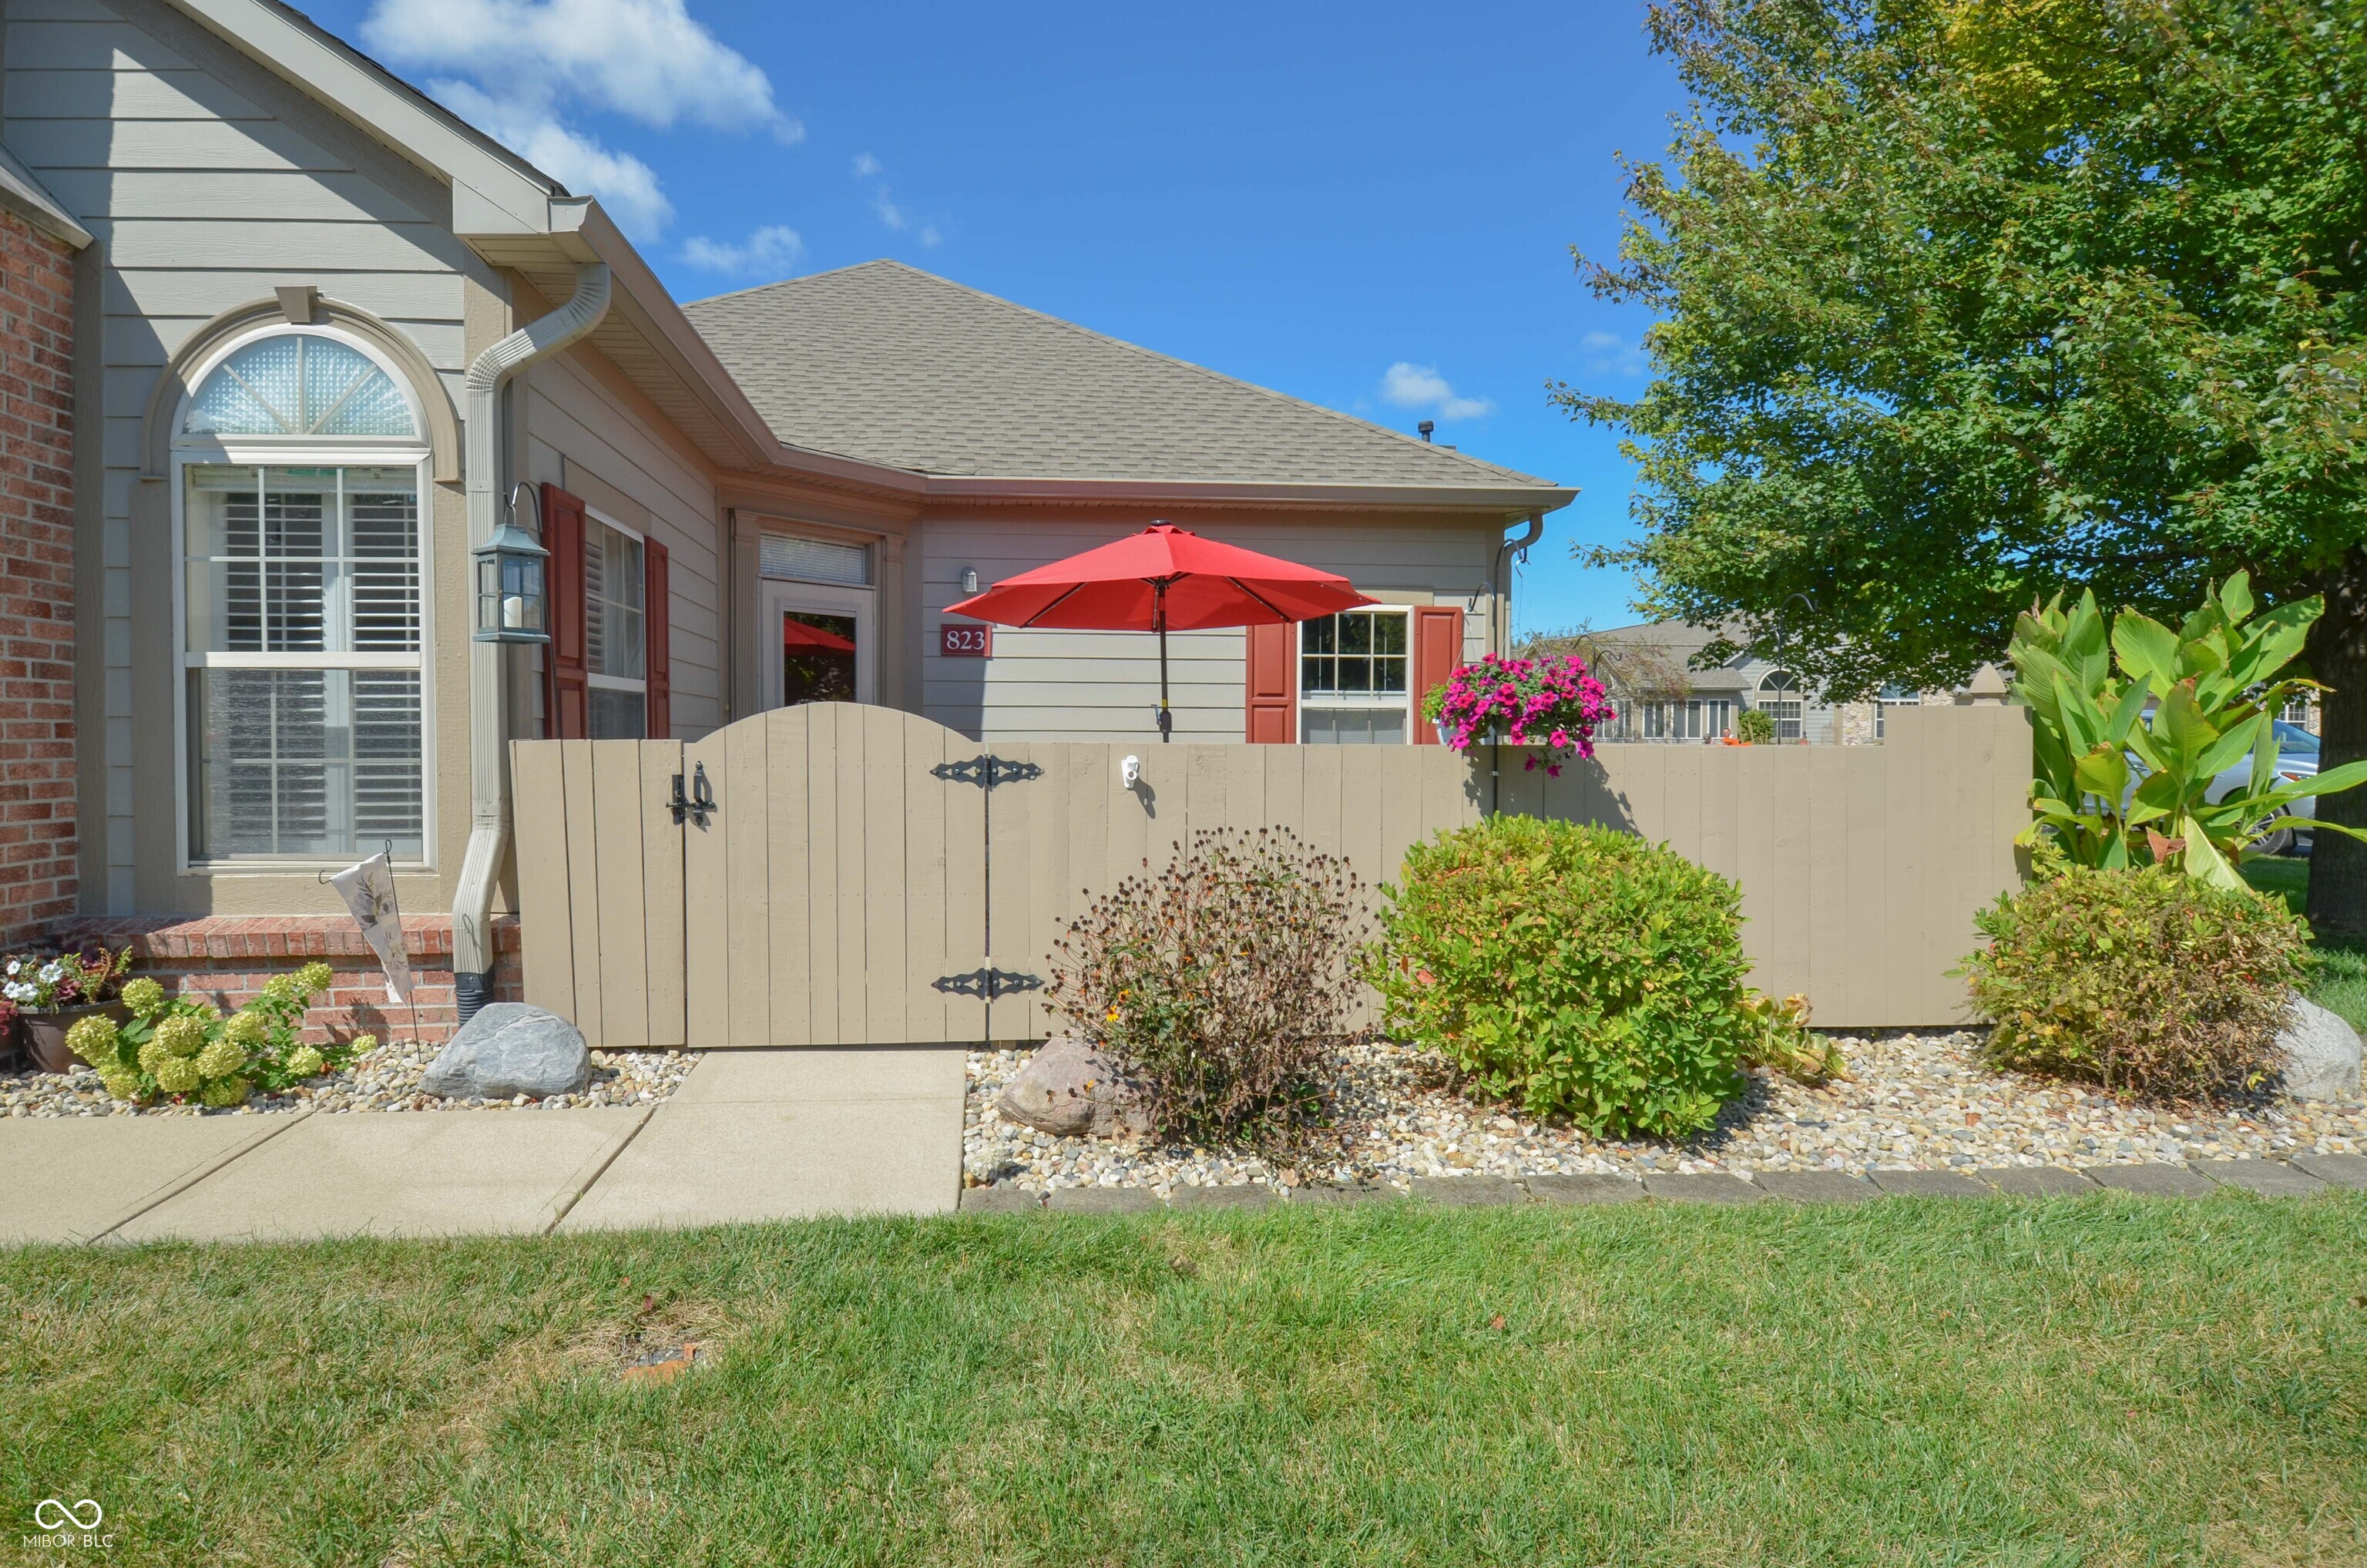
{"x":387,"y":1079}
{"x":1912,"y":1101}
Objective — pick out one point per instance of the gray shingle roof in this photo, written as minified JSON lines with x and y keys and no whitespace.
{"x":887,"y":364}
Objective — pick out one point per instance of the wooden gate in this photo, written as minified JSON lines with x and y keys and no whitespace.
{"x":810,"y":876}
{"x":836,"y":874}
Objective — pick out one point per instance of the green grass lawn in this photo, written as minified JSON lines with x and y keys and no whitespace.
{"x":2341,"y":984}
{"x":2100,"y":1380}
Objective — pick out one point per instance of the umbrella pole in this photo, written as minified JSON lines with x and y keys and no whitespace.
{"x":1166,"y":719}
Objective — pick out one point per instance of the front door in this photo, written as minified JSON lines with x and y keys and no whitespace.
{"x":816,"y":644}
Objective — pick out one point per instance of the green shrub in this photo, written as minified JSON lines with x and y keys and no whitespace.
{"x":2145,"y":980}
{"x":1755,"y":726}
{"x":1222,"y":984}
{"x":1576,"y":971}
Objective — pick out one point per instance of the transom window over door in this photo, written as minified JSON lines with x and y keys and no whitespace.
{"x":1353,"y":677}
{"x":301,"y":607}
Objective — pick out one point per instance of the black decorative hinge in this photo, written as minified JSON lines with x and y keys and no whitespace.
{"x":697,"y":804}
{"x":986,"y":771}
{"x":988,"y":984}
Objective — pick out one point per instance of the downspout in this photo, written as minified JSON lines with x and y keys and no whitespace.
{"x":489,"y":763}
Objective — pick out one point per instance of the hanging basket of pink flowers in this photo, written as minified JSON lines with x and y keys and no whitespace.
{"x":1552,"y":705}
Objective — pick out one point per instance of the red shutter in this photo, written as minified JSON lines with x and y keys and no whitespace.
{"x":566,"y":707}
{"x":656,"y":616}
{"x":1273,"y":718}
{"x":1437,"y":651}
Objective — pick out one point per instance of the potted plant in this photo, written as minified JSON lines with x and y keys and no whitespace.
{"x":1551,"y":705}
{"x":52,"y":994}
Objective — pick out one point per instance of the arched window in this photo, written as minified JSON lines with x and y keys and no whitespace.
{"x":1779,"y":694}
{"x":301,"y":471}
{"x":299,"y":383}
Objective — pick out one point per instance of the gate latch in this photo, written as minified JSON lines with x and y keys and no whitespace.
{"x":698,"y":804}
{"x":988,"y":984}
{"x":986,"y":772}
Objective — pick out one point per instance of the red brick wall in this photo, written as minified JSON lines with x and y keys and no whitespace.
{"x":229,"y":960}
{"x":37,"y":563}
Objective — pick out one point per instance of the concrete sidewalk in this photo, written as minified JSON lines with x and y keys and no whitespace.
{"x":430,"y":1173}
{"x":789,"y":1135}
{"x":749,"y":1135}
{"x":76,"y":1179}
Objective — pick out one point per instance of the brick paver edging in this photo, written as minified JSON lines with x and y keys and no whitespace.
{"x":2299,"y":1176}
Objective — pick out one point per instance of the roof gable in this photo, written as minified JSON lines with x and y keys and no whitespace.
{"x":887,"y":364}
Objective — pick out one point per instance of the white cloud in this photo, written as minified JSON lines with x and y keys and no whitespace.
{"x":768,"y":251}
{"x":519,"y":69}
{"x":644,"y":59}
{"x":1409,"y":385}
{"x":1608,"y":354}
{"x":866,"y":166}
{"x":626,"y":186}
{"x":901,"y":219}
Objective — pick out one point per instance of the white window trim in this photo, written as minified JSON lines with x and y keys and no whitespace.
{"x":1349,"y":701}
{"x":639,"y":685}
{"x":300,"y":452}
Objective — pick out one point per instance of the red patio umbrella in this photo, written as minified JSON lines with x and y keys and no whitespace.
{"x":796,"y":633}
{"x":1161,"y":578}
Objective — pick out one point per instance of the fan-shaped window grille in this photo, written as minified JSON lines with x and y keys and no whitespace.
{"x":299,"y":383}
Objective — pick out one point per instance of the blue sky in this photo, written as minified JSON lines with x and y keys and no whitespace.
{"x":1305,"y":196}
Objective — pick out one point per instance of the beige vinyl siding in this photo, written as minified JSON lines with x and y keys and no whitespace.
{"x":582,"y":436}
{"x":1085,"y":686}
{"x":208,"y":183}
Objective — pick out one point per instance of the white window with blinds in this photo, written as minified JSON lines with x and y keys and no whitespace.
{"x":615,"y":643}
{"x":303,"y":610}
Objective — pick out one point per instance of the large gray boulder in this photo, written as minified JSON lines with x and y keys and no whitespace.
{"x":2321,"y":1054}
{"x":507,"y":1050}
{"x":1072,"y":1090}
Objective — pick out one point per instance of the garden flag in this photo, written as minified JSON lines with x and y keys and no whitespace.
{"x":369,"y":891}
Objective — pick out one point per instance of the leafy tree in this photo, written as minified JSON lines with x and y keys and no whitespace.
{"x":1965,"y":303}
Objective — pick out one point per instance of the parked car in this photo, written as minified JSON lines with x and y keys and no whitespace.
{"x":2296,"y":759}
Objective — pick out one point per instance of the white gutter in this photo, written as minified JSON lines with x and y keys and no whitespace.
{"x":489,"y":773}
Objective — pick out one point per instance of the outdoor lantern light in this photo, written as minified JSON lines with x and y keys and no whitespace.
{"x":512,"y":603}
{"x":970,"y":581}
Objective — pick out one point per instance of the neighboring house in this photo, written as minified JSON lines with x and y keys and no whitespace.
{"x":283,"y":338}
{"x":1663,"y":696}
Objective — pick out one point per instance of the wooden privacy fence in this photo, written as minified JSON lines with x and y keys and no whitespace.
{"x":836,"y":874}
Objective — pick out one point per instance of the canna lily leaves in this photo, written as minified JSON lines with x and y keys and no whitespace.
{"x":2349,"y":776}
{"x":2104,"y":773}
{"x":2203,"y":861}
{"x":2182,"y":732}
{"x":2133,"y":701}
{"x":2147,"y":649}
